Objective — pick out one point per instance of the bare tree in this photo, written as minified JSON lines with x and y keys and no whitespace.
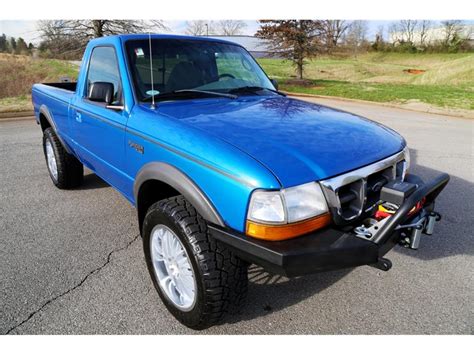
{"x":424,"y":28}
{"x":452,"y":30}
{"x":379,"y":43}
{"x":294,"y":40}
{"x":199,"y":28}
{"x":393,"y":33}
{"x":61,"y":36}
{"x":356,"y":35}
{"x":332,"y":31}
{"x":407,"y":30}
{"x":230,"y":27}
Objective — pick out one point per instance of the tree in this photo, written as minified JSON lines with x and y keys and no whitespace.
{"x":13,"y":44}
{"x":199,"y":28}
{"x":230,"y":27}
{"x":424,"y":28}
{"x":21,"y":46}
{"x":331,"y":32}
{"x":294,"y":40}
{"x":4,"y":45}
{"x":452,"y":30}
{"x":356,"y":35}
{"x":379,"y":43}
{"x":407,"y":30}
{"x":71,"y":36}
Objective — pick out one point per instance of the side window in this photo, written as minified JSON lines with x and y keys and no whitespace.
{"x":103,"y":67}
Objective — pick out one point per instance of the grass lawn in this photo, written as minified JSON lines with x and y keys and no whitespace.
{"x":446,"y":80}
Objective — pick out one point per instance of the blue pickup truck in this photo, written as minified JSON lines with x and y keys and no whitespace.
{"x":224,"y":170}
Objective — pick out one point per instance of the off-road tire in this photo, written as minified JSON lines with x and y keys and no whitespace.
{"x":221,"y":277}
{"x":70,"y":170}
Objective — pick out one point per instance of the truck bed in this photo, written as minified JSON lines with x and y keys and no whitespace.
{"x":70,"y":86}
{"x":56,"y":97}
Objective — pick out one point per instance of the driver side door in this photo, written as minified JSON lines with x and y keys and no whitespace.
{"x":99,"y":130}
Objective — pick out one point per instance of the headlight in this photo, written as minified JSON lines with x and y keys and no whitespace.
{"x":286,"y":213}
{"x":303,"y":202}
{"x":267,"y":206}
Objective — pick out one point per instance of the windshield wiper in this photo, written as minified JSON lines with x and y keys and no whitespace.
{"x":184,"y":93}
{"x":253,"y":89}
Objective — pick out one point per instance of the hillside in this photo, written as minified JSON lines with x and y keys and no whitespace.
{"x":18,"y":73}
{"x":443,"y":80}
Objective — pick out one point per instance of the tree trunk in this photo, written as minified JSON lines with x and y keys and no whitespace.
{"x":299,"y":68}
{"x":300,"y":71}
{"x":98,"y":28}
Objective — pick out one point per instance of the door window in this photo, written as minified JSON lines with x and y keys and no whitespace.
{"x":103,"y":67}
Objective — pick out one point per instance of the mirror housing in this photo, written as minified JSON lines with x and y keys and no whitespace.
{"x":101,"y":92}
{"x":275,"y":83}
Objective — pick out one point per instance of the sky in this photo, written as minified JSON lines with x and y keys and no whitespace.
{"x":27,"y":29}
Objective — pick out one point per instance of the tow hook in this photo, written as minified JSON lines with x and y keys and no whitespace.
{"x":424,"y":225}
{"x":382,"y":264}
{"x":433,"y":217}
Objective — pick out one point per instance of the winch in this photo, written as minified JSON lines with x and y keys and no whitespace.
{"x":392,"y":195}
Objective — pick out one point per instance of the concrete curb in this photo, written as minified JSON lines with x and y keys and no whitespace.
{"x":7,"y":115}
{"x":457,"y":114}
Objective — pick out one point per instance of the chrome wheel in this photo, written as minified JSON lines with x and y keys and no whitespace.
{"x":172,"y":267}
{"x":51,"y":159}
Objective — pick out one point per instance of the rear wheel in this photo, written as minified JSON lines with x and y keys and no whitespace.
{"x":197,"y":278}
{"x":64,"y":169}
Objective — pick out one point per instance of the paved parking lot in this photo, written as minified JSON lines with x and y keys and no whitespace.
{"x":71,"y":261}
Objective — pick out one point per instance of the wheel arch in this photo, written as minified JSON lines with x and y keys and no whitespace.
{"x":158,"y":180}
{"x":46,"y":121}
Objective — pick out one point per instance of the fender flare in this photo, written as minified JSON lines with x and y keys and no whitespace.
{"x":180,"y":182}
{"x":49,"y":117}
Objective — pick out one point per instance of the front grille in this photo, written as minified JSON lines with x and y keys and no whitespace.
{"x":352,"y":194}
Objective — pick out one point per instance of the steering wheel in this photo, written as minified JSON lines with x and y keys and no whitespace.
{"x":226,"y":76}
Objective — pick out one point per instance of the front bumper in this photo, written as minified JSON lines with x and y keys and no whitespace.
{"x":331,"y":248}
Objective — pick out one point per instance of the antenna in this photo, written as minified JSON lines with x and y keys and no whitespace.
{"x":151,"y":74}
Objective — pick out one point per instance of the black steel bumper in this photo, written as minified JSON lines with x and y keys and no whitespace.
{"x":330,"y":248}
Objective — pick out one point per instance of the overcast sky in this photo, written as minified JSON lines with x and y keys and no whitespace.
{"x":27,"y":29}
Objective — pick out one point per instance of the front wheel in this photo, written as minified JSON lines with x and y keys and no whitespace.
{"x":197,"y":278}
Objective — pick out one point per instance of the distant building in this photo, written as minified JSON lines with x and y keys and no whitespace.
{"x":258,"y":47}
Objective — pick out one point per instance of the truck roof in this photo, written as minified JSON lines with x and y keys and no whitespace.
{"x":124,"y":37}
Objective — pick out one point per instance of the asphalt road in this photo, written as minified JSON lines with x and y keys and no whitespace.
{"x":71,"y":261}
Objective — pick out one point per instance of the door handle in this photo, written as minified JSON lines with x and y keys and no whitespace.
{"x":78,"y":117}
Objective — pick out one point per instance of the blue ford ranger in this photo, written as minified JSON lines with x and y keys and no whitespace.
{"x":224,"y":170}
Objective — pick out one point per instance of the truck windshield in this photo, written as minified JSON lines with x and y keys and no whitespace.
{"x":194,"y":65}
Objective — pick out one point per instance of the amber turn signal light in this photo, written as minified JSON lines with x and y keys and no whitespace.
{"x":286,"y":231}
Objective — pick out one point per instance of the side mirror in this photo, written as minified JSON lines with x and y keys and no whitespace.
{"x":101,"y":92}
{"x":275,"y":83}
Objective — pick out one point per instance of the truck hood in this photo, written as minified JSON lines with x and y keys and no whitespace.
{"x":296,"y":140}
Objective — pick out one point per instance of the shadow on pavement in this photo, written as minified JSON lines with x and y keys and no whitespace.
{"x":92,"y":182}
{"x":269,"y":293}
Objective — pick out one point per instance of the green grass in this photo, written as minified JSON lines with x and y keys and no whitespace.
{"x":16,"y":104}
{"x":437,"y":95}
{"x":448,"y":80}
